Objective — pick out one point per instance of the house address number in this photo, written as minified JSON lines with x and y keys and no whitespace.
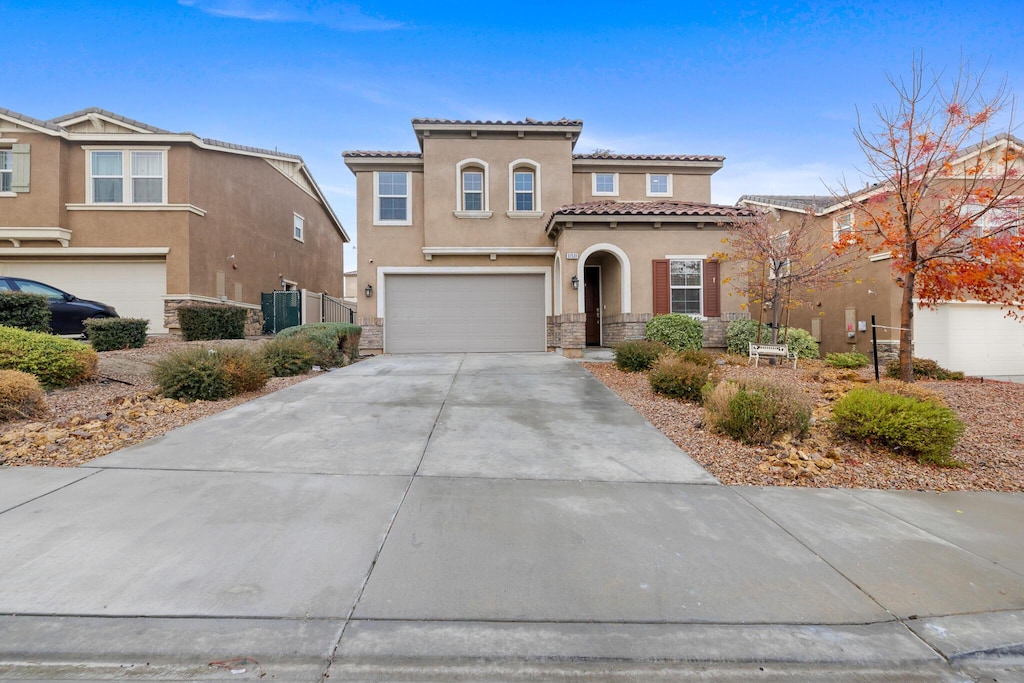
{"x":572,"y":257}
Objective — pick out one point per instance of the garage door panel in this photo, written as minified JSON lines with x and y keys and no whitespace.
{"x":135,"y":288}
{"x":459,"y":313}
{"x":977,"y":339}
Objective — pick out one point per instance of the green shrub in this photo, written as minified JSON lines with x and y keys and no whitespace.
{"x":677,"y":331}
{"x":246,"y":370}
{"x":25,"y":311}
{"x":924,"y":368}
{"x":908,"y":389}
{"x":21,"y":396}
{"x":637,"y":355}
{"x":757,"y":411}
{"x":288,"y":356}
{"x":200,"y":323}
{"x":851,"y":359}
{"x":332,"y":343}
{"x":741,"y":333}
{"x":675,"y":377}
{"x":56,"y":362}
{"x":111,"y":334}
{"x":194,"y":374}
{"x":925,"y":430}
{"x":702,"y":358}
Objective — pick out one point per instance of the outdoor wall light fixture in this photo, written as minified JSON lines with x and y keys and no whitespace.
{"x":575,"y":282}
{"x":369,"y":291}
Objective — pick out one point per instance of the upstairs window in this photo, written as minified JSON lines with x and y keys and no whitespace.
{"x":473,"y":191}
{"x":523,"y":191}
{"x":781,"y":266}
{"x":298,"y":227}
{"x":842,"y":226}
{"x":605,"y":184}
{"x":6,"y":170}
{"x":1002,"y":219}
{"x":659,"y":185}
{"x":686,"y":282}
{"x":392,"y":201}
{"x":142,"y":182}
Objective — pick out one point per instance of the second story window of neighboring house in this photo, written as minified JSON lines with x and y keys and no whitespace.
{"x":999,"y":220}
{"x":606,"y":184}
{"x":686,"y":283}
{"x":781,"y":265}
{"x":659,"y":185}
{"x":298,"y":226}
{"x":142,"y":180}
{"x":842,"y":226}
{"x":392,"y":200}
{"x":6,"y":170}
{"x":523,"y":191}
{"x":472,"y":191}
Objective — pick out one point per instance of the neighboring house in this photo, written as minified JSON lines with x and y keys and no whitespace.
{"x":145,"y":220}
{"x":974,"y":337}
{"x":495,"y":236}
{"x":351,"y":288}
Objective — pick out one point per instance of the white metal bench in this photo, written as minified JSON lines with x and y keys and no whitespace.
{"x":759,"y":351}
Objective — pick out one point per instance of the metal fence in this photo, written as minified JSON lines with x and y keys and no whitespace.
{"x":287,"y":309}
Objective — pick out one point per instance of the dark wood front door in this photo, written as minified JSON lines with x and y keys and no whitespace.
{"x":592,"y":303}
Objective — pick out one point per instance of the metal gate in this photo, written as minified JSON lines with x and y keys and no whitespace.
{"x":280,"y":310}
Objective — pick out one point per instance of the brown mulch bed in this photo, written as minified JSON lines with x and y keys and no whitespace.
{"x":991,"y":449}
{"x":117,"y":409}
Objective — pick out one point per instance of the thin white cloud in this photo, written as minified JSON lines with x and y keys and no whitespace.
{"x":340,"y":16}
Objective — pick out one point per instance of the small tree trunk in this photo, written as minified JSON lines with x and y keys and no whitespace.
{"x":907,"y":330}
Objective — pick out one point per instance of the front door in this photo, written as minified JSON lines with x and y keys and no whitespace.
{"x":592,"y":303}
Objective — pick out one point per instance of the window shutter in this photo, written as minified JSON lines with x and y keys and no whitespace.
{"x":662,"y":287}
{"x":21,"y":171}
{"x":712,"y":290}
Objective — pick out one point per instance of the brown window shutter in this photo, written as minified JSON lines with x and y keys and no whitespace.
{"x":662,"y":287}
{"x":712,"y":290}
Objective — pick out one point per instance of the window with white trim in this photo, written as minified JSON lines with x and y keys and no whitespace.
{"x":6,"y":170}
{"x":391,"y":201}
{"x":659,"y":185}
{"x":605,"y":184}
{"x":842,"y":224}
{"x":686,"y":278}
{"x":998,"y":219}
{"x":298,"y":227}
{"x":523,"y":188}
{"x":473,"y":190}
{"x":780,"y":266}
{"x":144,"y":181}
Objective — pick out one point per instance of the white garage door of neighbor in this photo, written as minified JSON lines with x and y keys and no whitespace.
{"x":977,"y":339}
{"x":459,"y":313}
{"x":134,"y":288}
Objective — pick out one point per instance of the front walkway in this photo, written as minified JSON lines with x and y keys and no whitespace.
{"x":498,"y":517}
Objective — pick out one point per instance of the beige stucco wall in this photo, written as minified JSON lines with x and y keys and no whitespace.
{"x":686,"y":186}
{"x":42,"y":205}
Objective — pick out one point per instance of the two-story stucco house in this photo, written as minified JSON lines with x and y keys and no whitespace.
{"x":495,"y":236}
{"x":145,"y":220}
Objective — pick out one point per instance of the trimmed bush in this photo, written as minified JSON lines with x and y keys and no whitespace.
{"x":637,"y":355}
{"x":246,"y":370}
{"x":924,"y":368}
{"x":288,"y":356}
{"x":200,"y":323}
{"x":677,"y":331}
{"x":25,"y":311}
{"x":56,"y":362}
{"x":757,"y":411}
{"x":741,"y":333}
{"x":111,"y":334}
{"x":332,"y":343}
{"x":21,"y":396}
{"x":908,"y":389}
{"x":702,"y":358}
{"x":925,"y":430}
{"x":673,"y":376}
{"x":194,"y":374}
{"x":851,"y":359}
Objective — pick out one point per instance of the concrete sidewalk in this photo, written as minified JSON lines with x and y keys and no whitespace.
{"x":486,"y":517}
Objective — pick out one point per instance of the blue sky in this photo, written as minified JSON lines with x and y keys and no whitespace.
{"x":772,"y":86}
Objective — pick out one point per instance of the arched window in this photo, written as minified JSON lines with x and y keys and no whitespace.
{"x":524,"y":188}
{"x":471,"y":180}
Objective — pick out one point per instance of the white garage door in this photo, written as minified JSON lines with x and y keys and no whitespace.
{"x":455,"y":313}
{"x":977,"y":339}
{"x":134,"y":288}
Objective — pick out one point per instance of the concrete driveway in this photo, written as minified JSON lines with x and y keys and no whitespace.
{"x":486,"y":517}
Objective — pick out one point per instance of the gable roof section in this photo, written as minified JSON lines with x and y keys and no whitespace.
{"x":672,"y":211}
{"x":22,"y":119}
{"x":797,"y":203}
{"x":68,"y":121}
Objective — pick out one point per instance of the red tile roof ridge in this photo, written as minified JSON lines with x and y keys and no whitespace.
{"x":649,"y":157}
{"x":382,"y":154}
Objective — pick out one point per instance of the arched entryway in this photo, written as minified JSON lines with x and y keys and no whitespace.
{"x":604,"y":292}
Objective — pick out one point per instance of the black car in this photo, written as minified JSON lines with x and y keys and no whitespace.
{"x":69,"y":313}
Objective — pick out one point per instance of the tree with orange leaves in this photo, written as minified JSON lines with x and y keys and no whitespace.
{"x":945,"y":199}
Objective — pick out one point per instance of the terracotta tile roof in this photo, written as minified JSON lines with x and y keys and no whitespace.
{"x":109,"y":114}
{"x":30,"y":120}
{"x":526,"y":122}
{"x":373,"y":154}
{"x":648,"y":157}
{"x":799,"y":202}
{"x":652,"y":208}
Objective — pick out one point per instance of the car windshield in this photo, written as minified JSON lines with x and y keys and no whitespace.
{"x":37,"y":288}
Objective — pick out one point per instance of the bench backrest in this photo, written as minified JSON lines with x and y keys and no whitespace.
{"x":769,"y":348}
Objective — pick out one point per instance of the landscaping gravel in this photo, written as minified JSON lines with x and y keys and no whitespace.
{"x":991,"y":449}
